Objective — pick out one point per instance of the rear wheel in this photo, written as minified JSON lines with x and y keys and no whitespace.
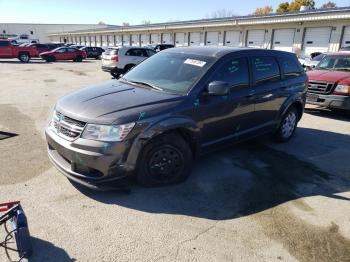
{"x":165,"y":160}
{"x":115,"y":74}
{"x":288,"y":125}
{"x":79,"y":59}
{"x":24,"y":57}
{"x":128,"y":68}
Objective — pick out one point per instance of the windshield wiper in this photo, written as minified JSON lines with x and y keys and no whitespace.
{"x":342,"y":69}
{"x":144,"y":84}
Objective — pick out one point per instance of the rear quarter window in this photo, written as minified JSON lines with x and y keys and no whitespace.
{"x":290,"y":67}
{"x":265,"y":69}
{"x":111,"y":52}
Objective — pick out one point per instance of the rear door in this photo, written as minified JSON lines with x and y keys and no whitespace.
{"x":268,"y":87}
{"x":135,"y":56}
{"x":5,"y":49}
{"x":224,"y":117}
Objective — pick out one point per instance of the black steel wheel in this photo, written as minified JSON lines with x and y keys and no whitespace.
{"x":165,"y":160}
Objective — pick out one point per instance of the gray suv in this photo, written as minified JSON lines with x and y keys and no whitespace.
{"x":119,"y":60}
{"x":155,"y":120}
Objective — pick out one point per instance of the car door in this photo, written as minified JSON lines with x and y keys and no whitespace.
{"x":5,"y":49}
{"x":225,"y":117}
{"x":267,"y":86}
{"x":60,"y":54}
{"x":71,"y":54}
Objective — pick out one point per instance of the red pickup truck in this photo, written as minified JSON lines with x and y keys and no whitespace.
{"x":329,"y":83}
{"x":8,"y":50}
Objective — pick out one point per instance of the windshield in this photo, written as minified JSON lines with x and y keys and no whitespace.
{"x":319,"y":57}
{"x":335,"y":63}
{"x":111,"y":51}
{"x":171,"y":72}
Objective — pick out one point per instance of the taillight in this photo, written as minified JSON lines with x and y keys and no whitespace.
{"x":342,"y":90}
{"x":115,"y":58}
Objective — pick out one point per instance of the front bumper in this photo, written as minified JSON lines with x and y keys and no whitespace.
{"x":331,"y":101}
{"x":90,"y":163}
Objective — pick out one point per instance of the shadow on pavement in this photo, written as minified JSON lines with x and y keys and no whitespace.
{"x":336,"y":114}
{"x":46,"y":251}
{"x":243,"y":180}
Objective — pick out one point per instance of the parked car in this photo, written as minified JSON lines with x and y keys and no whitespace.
{"x":312,"y":63}
{"x":172,"y":107}
{"x":64,"y":53}
{"x":41,"y":48}
{"x":9,"y":50}
{"x":93,"y":52}
{"x":119,"y":60}
{"x":160,"y":47}
{"x":329,"y":84}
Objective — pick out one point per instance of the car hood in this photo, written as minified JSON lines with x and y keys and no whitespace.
{"x":329,"y":76}
{"x":116,"y":102}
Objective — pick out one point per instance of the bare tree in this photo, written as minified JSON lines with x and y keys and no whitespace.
{"x":101,"y":23}
{"x":220,"y":13}
{"x":329,"y":4}
{"x":146,"y":22}
{"x":125,"y":24}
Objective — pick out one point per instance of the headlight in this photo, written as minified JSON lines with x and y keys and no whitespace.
{"x":342,"y":90}
{"x":107,"y":133}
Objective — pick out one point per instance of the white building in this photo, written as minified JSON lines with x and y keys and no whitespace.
{"x":302,"y":32}
{"x":41,"y":31}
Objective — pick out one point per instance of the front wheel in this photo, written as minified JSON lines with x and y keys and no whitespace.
{"x":24,"y":57}
{"x":288,"y":125}
{"x":78,"y":59}
{"x":165,"y":160}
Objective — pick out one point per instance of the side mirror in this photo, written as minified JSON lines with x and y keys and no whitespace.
{"x":218,"y":88}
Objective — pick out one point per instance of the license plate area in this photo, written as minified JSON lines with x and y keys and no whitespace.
{"x":312,"y":97}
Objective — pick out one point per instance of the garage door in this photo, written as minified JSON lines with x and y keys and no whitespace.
{"x":195,"y":38}
{"x":256,"y":38}
{"x":346,"y":37}
{"x":126,"y":40}
{"x":180,"y":39}
{"x":155,"y":39}
{"x":167,"y":39}
{"x":283,"y":39}
{"x":118,"y":40}
{"x":104,"y":40}
{"x":144,"y":39}
{"x":317,"y":39}
{"x":98,"y":40}
{"x":135,"y":40}
{"x":212,"y":38}
{"x":232,"y":38}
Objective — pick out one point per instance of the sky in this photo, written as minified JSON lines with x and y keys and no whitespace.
{"x":116,"y":12}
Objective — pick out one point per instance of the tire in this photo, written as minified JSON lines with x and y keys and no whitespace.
{"x":165,"y":160}
{"x":79,"y":59}
{"x":128,"y":68}
{"x":24,"y":57}
{"x":50,"y":59}
{"x":115,"y":74}
{"x":288,"y":125}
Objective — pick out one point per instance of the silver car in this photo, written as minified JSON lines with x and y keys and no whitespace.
{"x":119,"y":60}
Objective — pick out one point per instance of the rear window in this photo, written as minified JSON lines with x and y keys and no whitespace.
{"x":265,"y":69}
{"x":111,"y":51}
{"x":4,"y":43}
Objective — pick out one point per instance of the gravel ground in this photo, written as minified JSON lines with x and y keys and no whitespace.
{"x":257,"y":201}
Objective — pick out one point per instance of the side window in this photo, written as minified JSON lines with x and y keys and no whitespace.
{"x":149,"y":52}
{"x":4,"y":43}
{"x":235,"y":71}
{"x":71,"y":50}
{"x":290,"y":68}
{"x":134,"y":52}
{"x":265,"y":70}
{"x":62,"y":50}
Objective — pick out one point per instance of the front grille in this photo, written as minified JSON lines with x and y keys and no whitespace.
{"x":321,"y":87}
{"x":67,"y":127}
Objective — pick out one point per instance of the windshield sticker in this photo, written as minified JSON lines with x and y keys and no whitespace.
{"x":195,"y":62}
